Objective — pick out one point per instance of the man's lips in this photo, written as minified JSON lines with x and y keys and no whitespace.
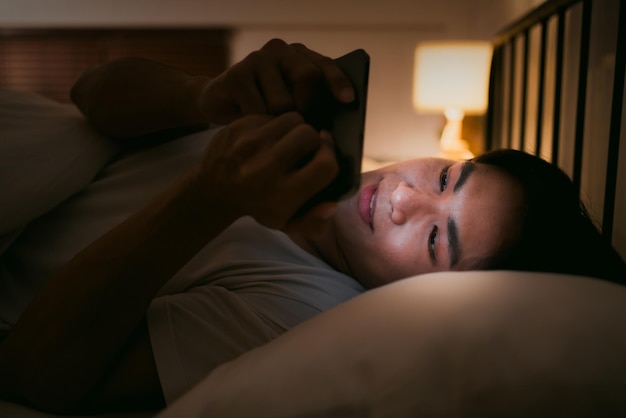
{"x":367,"y":204}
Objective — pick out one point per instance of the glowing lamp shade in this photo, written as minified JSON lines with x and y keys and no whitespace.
{"x":452,"y":77}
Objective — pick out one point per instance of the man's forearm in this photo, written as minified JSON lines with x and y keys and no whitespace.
{"x":133,"y":97}
{"x":79,"y":322}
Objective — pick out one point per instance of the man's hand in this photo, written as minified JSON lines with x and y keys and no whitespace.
{"x":131,"y":97}
{"x":266,"y":167}
{"x":276,"y":79}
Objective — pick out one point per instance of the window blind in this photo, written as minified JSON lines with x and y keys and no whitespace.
{"x":49,"y":61}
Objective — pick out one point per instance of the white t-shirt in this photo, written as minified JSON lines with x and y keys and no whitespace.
{"x":246,"y":287}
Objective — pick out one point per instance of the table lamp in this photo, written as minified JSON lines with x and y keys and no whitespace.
{"x":452,"y":77}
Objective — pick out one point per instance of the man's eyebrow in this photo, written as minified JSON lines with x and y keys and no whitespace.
{"x":454,"y":249}
{"x":466,"y":169}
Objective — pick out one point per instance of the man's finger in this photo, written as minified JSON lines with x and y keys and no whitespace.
{"x":338,"y":83}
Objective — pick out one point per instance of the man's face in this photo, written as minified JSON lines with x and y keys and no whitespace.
{"x":422,"y":216}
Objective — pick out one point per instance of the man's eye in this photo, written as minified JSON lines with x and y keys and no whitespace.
{"x":443,"y":178}
{"x":432,"y":240}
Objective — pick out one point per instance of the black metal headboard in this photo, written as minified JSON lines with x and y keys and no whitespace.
{"x":557,"y":90}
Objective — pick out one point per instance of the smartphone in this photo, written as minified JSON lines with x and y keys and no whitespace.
{"x":346,"y":122}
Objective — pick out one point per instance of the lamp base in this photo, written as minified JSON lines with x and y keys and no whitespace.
{"x":451,"y":144}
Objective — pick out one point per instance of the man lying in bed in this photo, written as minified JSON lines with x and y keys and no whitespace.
{"x":136,"y":312}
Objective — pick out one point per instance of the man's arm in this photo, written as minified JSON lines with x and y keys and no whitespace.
{"x":81,"y":337}
{"x":72,"y":345}
{"x":72,"y":332}
{"x":132,"y":97}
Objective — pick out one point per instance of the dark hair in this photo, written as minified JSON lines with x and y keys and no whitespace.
{"x":557,"y":233}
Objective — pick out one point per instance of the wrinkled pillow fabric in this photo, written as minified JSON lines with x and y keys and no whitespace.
{"x":47,"y":153}
{"x":451,"y":344}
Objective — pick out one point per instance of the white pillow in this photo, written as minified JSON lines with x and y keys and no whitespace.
{"x":47,"y":153}
{"x":470,"y":344}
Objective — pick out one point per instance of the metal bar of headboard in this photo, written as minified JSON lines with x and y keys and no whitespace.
{"x":512,"y":56}
{"x":494,"y":80}
{"x":498,"y":66}
{"x":582,"y":93}
{"x":615,"y":126}
{"x":494,"y":123}
{"x":558,"y":78}
{"x":524,"y":90}
{"x":541,"y":87}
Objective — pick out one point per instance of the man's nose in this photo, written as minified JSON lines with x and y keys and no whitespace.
{"x":407,"y":202}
